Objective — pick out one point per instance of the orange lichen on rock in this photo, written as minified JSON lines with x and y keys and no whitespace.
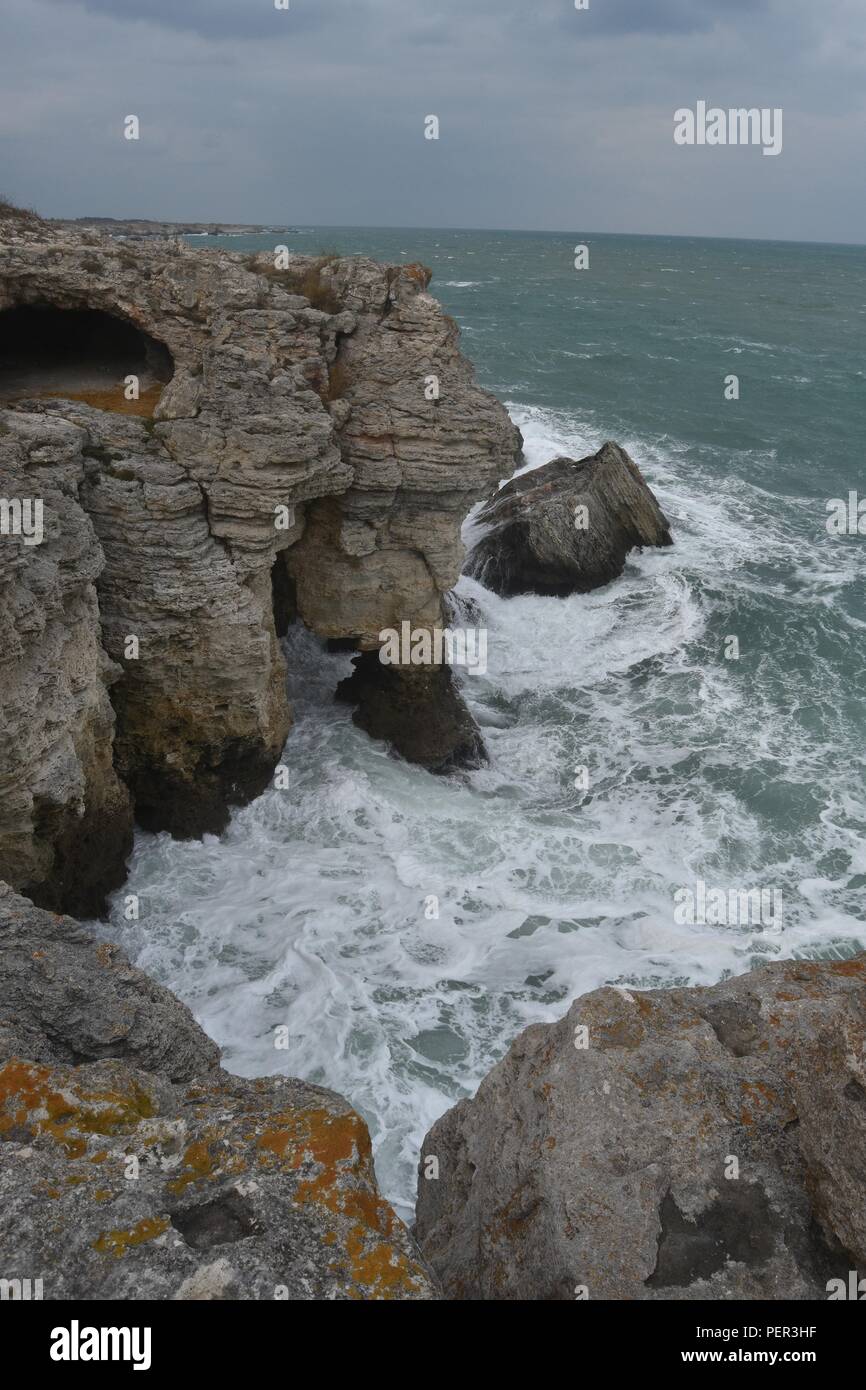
{"x":338,"y":1147}
{"x":419,"y":273}
{"x":202,"y":1162}
{"x":381,"y":1271}
{"x":315,"y":1136}
{"x":198,"y":1162}
{"x":31,"y":1101}
{"x":117,"y":1243}
{"x":853,"y":968}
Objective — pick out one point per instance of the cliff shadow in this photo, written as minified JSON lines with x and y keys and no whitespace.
{"x":81,"y":354}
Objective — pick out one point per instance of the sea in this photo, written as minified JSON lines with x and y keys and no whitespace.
{"x":388,"y":933}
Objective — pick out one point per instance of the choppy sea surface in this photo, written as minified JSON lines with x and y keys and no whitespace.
{"x":309,"y":913}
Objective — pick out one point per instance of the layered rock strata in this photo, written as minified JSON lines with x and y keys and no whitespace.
{"x":65,"y":816}
{"x":318,"y":441}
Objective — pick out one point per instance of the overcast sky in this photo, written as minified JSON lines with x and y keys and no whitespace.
{"x":550,"y":117}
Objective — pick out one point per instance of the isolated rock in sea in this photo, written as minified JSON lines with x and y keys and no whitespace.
{"x":705,"y":1143}
{"x":418,"y":710}
{"x":65,"y":817}
{"x":312,"y":428}
{"x":153,"y":1174}
{"x":566,"y":527}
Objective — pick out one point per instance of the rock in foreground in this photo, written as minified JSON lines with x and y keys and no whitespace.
{"x":705,"y":1144}
{"x":145,"y":1171}
{"x":65,"y":997}
{"x":116,"y":1184}
{"x":566,"y":527}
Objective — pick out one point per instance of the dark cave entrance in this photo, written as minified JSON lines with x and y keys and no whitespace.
{"x":82,"y":355}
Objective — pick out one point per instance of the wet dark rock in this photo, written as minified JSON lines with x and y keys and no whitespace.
{"x":566,"y":527}
{"x":417,"y":710}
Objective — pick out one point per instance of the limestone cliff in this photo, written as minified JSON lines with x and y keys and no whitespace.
{"x":65,"y":817}
{"x":310,"y":433}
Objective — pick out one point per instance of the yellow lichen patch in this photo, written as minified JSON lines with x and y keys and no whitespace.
{"x":117,"y":1243}
{"x":315,"y":1136}
{"x":338,"y":1148}
{"x":102,"y":1194}
{"x":382,"y":1271}
{"x":206,"y":1159}
{"x":30,"y":1100}
{"x":198,"y":1162}
{"x":100,"y":1113}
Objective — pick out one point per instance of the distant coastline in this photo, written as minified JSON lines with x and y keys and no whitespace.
{"x":146,"y":227}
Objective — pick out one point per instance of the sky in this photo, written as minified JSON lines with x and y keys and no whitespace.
{"x":550,"y":117}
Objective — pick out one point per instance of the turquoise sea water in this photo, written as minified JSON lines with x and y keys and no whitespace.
{"x":745,"y":773}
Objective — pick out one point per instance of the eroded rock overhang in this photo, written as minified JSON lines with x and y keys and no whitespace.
{"x":292,"y":450}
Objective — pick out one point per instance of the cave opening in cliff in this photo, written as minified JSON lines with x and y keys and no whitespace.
{"x":83,"y":355}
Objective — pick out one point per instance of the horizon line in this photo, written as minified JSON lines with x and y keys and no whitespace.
{"x":517,"y":231}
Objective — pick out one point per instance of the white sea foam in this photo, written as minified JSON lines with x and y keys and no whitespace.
{"x":310,"y":911}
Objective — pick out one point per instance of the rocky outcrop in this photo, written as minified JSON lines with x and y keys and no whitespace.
{"x":65,"y":817}
{"x":150,"y":1173}
{"x":417,"y":710}
{"x":67,"y":998}
{"x":566,"y":527}
{"x":668,"y":1144}
{"x":312,"y":429}
{"x":422,"y":442}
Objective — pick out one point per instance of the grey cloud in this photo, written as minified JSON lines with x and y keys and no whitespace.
{"x":255,"y":19}
{"x":235,"y":19}
{"x":549,"y":116}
